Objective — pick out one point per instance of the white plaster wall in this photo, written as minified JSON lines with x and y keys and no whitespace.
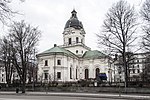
{"x":64,"y":68}
{"x":73,"y":33}
{"x":79,"y":48}
{"x":92,"y":65}
{"x":67,"y":62}
{"x":2,"y":72}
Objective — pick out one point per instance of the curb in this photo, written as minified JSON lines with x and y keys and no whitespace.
{"x":113,"y":96}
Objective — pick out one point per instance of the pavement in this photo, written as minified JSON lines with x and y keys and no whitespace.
{"x":93,"y":95}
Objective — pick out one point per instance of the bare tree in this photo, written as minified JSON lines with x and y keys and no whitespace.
{"x":6,"y":58}
{"x":24,"y":38}
{"x":145,"y":13}
{"x":6,"y":13}
{"x":118,"y":29}
{"x":145,"y":75}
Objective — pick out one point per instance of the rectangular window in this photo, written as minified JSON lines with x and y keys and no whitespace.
{"x":46,"y":63}
{"x":58,"y":62}
{"x":58,"y":75}
{"x":45,"y":76}
{"x":133,"y":70}
{"x":133,"y":66}
{"x":138,"y":71}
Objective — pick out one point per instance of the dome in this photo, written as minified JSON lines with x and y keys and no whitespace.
{"x":73,"y":21}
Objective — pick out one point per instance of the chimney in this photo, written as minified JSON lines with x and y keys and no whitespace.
{"x":55,"y":45}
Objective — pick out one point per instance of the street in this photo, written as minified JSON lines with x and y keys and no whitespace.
{"x":27,"y":97}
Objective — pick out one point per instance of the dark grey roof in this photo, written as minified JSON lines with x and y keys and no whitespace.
{"x":74,"y":22}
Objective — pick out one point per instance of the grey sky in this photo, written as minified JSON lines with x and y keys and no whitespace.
{"x":51,"y":16}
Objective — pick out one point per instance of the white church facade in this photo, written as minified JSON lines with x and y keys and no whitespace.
{"x":73,"y":60}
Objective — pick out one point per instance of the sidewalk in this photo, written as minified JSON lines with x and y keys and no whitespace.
{"x":93,"y":95}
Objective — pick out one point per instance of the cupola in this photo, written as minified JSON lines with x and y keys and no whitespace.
{"x":73,"y":21}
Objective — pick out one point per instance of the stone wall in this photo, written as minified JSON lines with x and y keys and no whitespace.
{"x":86,"y":89}
{"x":95,"y":89}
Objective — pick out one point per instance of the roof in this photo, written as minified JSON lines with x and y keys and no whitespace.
{"x":73,"y":21}
{"x":57,"y":49}
{"x":94,"y":54}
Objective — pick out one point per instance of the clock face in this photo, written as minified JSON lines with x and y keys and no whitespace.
{"x":69,"y":31}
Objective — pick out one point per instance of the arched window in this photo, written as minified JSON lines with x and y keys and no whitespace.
{"x":76,"y":73}
{"x":69,"y":41}
{"x":77,"y":40}
{"x":70,"y":73}
{"x":81,"y":40}
{"x":97,"y":72}
{"x":86,"y":73}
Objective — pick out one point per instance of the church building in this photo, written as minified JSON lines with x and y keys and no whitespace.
{"x":73,"y":60}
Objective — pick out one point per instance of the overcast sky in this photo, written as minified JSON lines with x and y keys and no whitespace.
{"x":51,"y":16}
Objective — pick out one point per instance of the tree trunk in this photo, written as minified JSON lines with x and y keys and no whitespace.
{"x":23,"y":86}
{"x":125,"y":69}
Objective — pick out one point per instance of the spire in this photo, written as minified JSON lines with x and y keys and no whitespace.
{"x":74,"y":14}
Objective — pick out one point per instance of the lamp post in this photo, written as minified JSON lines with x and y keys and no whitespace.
{"x":33,"y":69}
